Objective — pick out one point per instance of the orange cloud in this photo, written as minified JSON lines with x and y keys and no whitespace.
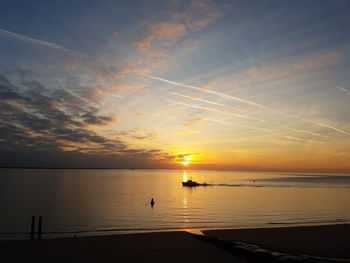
{"x":190,"y":123}
{"x":143,"y":44}
{"x":279,"y":69}
{"x":154,"y":48}
{"x":201,"y":14}
{"x":317,"y":61}
{"x":127,"y":86}
{"x":167,"y":30}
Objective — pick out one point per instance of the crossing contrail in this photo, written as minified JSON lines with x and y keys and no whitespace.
{"x":327,"y":126}
{"x":198,"y":99}
{"x":257,"y":128}
{"x":214,"y":92}
{"x":247,"y":102}
{"x":214,"y":110}
{"x":345,"y":90}
{"x":212,"y":102}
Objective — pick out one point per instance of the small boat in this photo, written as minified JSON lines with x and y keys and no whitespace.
{"x":191,"y":183}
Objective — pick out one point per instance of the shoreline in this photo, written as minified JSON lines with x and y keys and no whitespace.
{"x":196,"y":230}
{"x":329,"y":241}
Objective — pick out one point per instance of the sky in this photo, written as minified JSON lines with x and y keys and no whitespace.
{"x":228,"y":85}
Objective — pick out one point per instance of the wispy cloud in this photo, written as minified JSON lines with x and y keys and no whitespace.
{"x":191,"y":122}
{"x":127,"y":86}
{"x":200,"y":14}
{"x":318,"y":61}
{"x":291,"y":67}
{"x":154,"y":46}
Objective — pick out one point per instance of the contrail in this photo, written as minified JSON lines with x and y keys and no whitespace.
{"x":55,"y":46}
{"x":214,"y":92}
{"x":308,"y":132}
{"x":214,"y":110}
{"x":246,"y":102}
{"x":345,"y":90}
{"x":211,"y":102}
{"x":256,"y":128}
{"x":327,"y":126}
{"x":40,"y":42}
{"x":33,"y":40}
{"x":198,"y":99}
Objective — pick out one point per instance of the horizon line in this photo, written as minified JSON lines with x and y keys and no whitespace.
{"x":180,"y":169}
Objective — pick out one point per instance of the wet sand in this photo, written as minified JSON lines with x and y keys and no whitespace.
{"x":329,"y":241}
{"x":144,"y":247}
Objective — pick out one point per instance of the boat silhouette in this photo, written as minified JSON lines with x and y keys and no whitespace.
{"x":191,"y":183}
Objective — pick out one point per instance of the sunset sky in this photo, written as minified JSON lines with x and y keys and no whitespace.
{"x":243,"y":85}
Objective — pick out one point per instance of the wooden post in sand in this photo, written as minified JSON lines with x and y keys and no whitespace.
{"x":39,"y":227}
{"x":32,"y":229}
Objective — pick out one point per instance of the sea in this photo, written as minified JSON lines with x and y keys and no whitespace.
{"x":87,"y":202}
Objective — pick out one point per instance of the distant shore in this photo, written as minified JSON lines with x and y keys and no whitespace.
{"x":331,"y":171}
{"x":325,"y":241}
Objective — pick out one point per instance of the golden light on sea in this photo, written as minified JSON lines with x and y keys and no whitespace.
{"x":185,"y":177}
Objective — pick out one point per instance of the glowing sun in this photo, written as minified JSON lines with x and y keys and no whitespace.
{"x":186,"y":160}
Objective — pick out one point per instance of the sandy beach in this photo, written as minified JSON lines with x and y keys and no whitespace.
{"x":149,"y":247}
{"x":328,"y":241}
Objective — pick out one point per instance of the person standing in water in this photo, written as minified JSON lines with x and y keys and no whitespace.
{"x":152,"y":202}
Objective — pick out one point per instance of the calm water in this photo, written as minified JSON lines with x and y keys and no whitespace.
{"x":90,"y":202}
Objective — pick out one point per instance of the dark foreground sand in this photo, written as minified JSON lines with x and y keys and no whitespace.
{"x":329,"y":241}
{"x":150,"y":247}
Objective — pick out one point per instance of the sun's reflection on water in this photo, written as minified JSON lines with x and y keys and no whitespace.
{"x":185,"y":176}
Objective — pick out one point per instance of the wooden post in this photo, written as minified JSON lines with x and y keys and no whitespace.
{"x":39,"y":227}
{"x":32,"y":229}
